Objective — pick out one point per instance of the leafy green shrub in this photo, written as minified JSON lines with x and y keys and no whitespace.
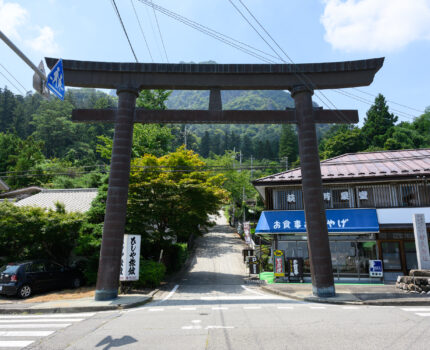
{"x":174,"y":256}
{"x":151,"y":274}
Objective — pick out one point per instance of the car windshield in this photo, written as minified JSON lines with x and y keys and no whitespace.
{"x":9,"y":269}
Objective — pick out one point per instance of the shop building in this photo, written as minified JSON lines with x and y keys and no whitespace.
{"x":370,"y":199}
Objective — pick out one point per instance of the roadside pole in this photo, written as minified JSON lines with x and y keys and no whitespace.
{"x":39,"y":79}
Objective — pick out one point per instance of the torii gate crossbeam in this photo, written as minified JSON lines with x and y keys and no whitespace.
{"x":300,"y":79}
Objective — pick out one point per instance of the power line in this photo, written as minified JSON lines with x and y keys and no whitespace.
{"x":123,"y":27}
{"x":301,"y":76}
{"x":13,"y":77}
{"x":23,"y":93}
{"x":398,"y":104}
{"x":370,"y":103}
{"x":161,"y":36}
{"x":141,"y":30}
{"x":211,"y":32}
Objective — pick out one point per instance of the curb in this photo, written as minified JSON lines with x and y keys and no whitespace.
{"x":76,"y":309}
{"x":314,"y":299}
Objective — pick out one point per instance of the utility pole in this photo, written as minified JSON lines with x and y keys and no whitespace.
{"x":251,"y":167}
{"x":286,"y":163}
{"x":39,"y":77}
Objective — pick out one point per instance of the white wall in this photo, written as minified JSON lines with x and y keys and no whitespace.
{"x":401,"y":215}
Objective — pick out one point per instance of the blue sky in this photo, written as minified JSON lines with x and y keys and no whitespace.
{"x":307,"y":30}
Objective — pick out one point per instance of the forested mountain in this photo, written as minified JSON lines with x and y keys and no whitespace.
{"x":38,"y":135}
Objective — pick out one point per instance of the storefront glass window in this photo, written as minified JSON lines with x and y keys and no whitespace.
{"x":411,"y":255}
{"x":391,"y":255}
{"x":346,"y":254}
{"x":366,"y":252}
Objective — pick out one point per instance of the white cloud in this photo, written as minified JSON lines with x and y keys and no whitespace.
{"x":15,"y":23}
{"x":12,"y":16}
{"x":375,"y":25}
{"x":44,"y":42}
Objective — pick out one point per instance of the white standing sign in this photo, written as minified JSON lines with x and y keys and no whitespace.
{"x":130,"y":258}
{"x":421,"y":242}
{"x":247,"y":231}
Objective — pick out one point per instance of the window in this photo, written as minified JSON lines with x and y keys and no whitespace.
{"x":37,"y":267}
{"x":342,"y":198}
{"x":365,"y":197}
{"x":288,"y":199}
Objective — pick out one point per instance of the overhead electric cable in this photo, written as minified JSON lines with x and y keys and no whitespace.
{"x":246,"y":19}
{"x":301,"y":76}
{"x":370,"y":103}
{"x":213,"y":33}
{"x":141,"y":30}
{"x":123,"y":27}
{"x":13,"y":77}
{"x":161,"y":36}
{"x":398,"y":104}
{"x":19,"y":90}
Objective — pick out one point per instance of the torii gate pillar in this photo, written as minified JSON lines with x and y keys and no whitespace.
{"x":116,"y":204}
{"x":316,"y":222}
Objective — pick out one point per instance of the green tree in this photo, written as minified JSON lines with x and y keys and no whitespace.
{"x":288,"y":143}
{"x":378,"y":124}
{"x":346,"y":140}
{"x":205,"y":145}
{"x":31,"y":232}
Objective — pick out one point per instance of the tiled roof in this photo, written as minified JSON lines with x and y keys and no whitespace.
{"x":364,"y":165}
{"x":75,"y":200}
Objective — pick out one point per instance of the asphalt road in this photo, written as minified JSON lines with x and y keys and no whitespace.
{"x":212,"y":308}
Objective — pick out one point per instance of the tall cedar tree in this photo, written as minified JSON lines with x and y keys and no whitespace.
{"x":288,"y":143}
{"x":379,"y":124}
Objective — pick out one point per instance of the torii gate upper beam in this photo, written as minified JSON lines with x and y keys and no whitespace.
{"x":317,"y":76}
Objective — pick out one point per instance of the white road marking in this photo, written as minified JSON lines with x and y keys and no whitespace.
{"x":219,"y":327}
{"x":171,"y":292}
{"x":25,"y":333}
{"x":88,"y":314}
{"x":192,"y":327}
{"x":196,"y":321}
{"x":416,"y":309}
{"x":317,"y":307}
{"x":423,"y":314}
{"x":285,"y":307}
{"x":220,"y":308}
{"x":30,"y":325}
{"x":252,"y":307}
{"x":187,"y":308}
{"x":350,"y":307}
{"x":252,"y":291}
{"x":245,"y":297}
{"x":43,"y":320}
{"x":15,"y":343}
{"x":155,"y":309}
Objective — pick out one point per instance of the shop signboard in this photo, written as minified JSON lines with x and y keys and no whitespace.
{"x":247,"y":232}
{"x":375,"y":268}
{"x":130,"y":258}
{"x":247,"y":252}
{"x":278,"y":263}
{"x":254,"y":268}
{"x":294,"y":269}
{"x":421,"y":241}
{"x":338,"y":221}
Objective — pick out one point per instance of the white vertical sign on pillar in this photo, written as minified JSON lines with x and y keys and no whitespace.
{"x":130,"y":258}
{"x":421,"y":241}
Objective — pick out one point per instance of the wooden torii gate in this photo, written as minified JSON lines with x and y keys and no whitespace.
{"x":300,"y":79}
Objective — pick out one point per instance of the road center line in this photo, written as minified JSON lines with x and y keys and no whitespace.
{"x":171,"y":292}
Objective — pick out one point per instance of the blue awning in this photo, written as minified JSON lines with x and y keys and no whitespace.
{"x":338,"y":221}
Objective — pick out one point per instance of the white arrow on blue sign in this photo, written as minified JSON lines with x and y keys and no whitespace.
{"x":55,"y":80}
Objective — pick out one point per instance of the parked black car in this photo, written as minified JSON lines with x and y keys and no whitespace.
{"x":26,"y":277}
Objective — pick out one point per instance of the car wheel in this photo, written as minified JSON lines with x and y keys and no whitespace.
{"x":76,"y":283}
{"x":25,"y":291}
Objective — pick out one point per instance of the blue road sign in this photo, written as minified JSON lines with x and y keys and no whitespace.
{"x":55,"y":80}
